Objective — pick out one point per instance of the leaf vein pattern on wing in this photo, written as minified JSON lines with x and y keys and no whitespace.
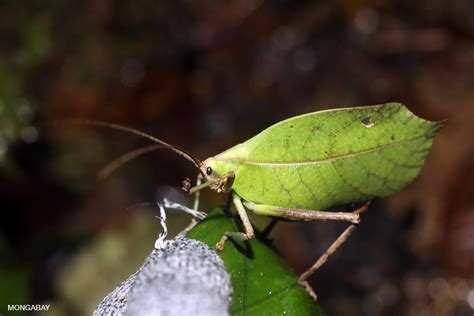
{"x":305,"y":186}
{"x":281,"y":184}
{"x":315,"y":129}
{"x":347,"y":183}
{"x":397,"y":164}
{"x":326,"y":160}
{"x":328,"y":192}
{"x":400,"y":165}
{"x":373,"y":174}
{"x":361,"y":166}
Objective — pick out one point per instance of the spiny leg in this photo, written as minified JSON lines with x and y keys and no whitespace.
{"x":324,"y":257}
{"x":302,"y":214}
{"x":291,"y":213}
{"x":303,"y":279}
{"x":249,"y":233}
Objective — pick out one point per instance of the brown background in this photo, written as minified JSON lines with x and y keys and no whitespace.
{"x":206,"y":75}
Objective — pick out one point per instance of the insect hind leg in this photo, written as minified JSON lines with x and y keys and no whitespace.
{"x":303,"y":278}
{"x":302,"y":214}
{"x":291,"y":213}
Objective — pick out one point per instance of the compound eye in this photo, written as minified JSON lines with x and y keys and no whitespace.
{"x":209,"y":171}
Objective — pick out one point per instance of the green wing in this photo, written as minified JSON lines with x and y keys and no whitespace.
{"x":334,"y":157}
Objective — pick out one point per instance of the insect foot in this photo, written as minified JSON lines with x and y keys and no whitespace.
{"x":308,"y":289}
{"x":221,"y":244}
{"x":237,"y":236}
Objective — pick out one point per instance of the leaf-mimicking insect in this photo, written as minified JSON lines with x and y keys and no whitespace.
{"x":304,"y":167}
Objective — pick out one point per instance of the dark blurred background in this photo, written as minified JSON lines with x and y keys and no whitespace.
{"x":206,"y":75}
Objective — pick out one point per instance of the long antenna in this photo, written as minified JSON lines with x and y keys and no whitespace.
{"x":177,"y":150}
{"x":109,"y":168}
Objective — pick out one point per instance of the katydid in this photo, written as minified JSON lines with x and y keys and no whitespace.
{"x":304,"y":167}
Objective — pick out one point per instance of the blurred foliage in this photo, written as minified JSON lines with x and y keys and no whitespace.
{"x":13,"y":288}
{"x":17,"y":107}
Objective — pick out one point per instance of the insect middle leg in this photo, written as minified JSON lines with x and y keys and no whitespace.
{"x":249,"y":233}
{"x":353,"y":217}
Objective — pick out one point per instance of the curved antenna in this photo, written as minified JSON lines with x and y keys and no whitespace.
{"x":177,"y":150}
{"x":109,"y":168}
{"x":134,"y":206}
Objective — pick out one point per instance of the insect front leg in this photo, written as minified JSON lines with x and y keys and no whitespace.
{"x":197,"y":195}
{"x":249,"y":233}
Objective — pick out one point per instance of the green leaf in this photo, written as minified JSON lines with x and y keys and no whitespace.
{"x":262,"y":283}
